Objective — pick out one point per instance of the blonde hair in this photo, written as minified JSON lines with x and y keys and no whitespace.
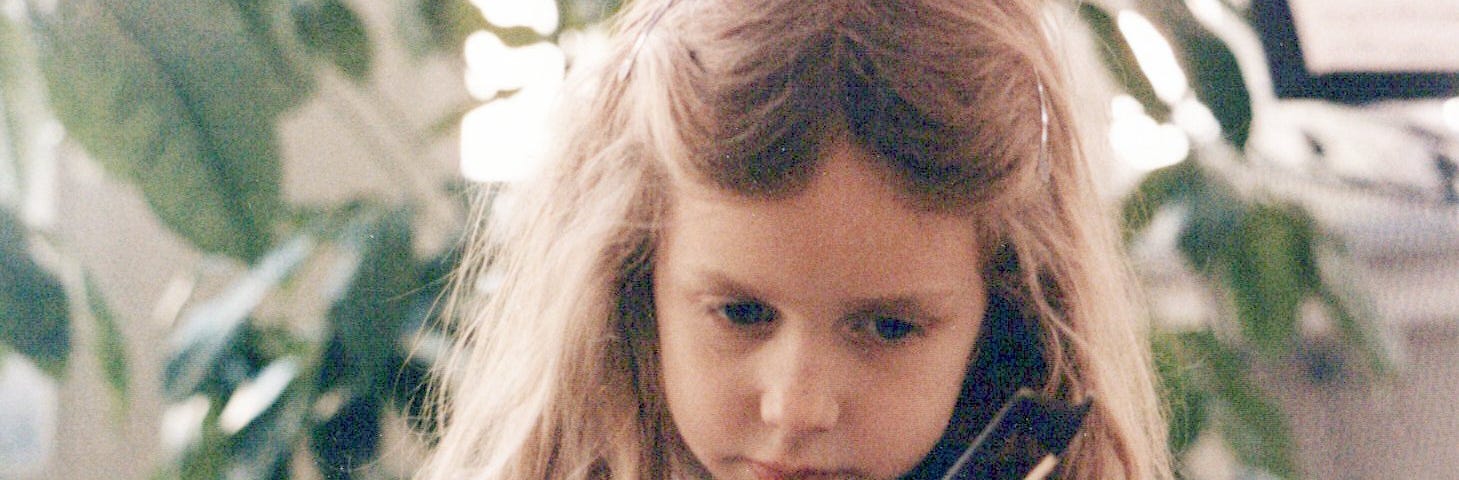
{"x":555,"y":371}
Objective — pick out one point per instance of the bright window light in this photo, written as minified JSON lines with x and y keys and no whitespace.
{"x":483,"y":51}
{"x":1124,"y":106}
{"x":1142,"y":143}
{"x":1196,"y":119}
{"x":1155,"y":56}
{"x":1451,"y":113}
{"x":1206,"y":10}
{"x":492,"y":67}
{"x":505,"y":140}
{"x":28,"y":418}
{"x":588,"y":45}
{"x":182,"y":423}
{"x":256,"y":395}
{"x":539,"y":15}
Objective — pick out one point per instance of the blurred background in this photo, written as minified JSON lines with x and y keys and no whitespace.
{"x":225,"y":224}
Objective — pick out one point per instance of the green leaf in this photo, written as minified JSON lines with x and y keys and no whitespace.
{"x":1215,"y":75}
{"x":208,"y":331}
{"x":410,"y":382}
{"x":1253,"y":426}
{"x":255,"y":14}
{"x":34,"y":315}
{"x":111,"y":348}
{"x":259,"y":17}
{"x":1162,"y":187}
{"x":330,"y":30}
{"x":205,"y":459}
{"x":577,"y":14}
{"x":1212,"y":227}
{"x":1218,"y":84}
{"x":369,"y":319}
{"x":1271,"y":272}
{"x":516,"y":36}
{"x":408,"y":393}
{"x":263,"y":446}
{"x":1117,"y":55}
{"x":349,"y":439}
{"x":450,"y":122}
{"x":1241,"y":7}
{"x":1354,"y":315}
{"x":1182,"y":392}
{"x":436,"y":26}
{"x":179,"y":97}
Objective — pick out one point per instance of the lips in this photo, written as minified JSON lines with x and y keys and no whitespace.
{"x":777,"y":471}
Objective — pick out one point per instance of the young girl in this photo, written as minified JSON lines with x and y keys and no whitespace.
{"x":789,"y":239}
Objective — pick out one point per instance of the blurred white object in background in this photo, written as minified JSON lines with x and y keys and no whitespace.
{"x":1155,"y":56}
{"x":493,"y":68}
{"x":1451,"y":114}
{"x":27,"y":418}
{"x":1366,"y":36}
{"x":1139,"y":141}
{"x":504,"y":139}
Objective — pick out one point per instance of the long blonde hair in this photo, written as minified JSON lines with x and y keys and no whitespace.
{"x":555,"y":370}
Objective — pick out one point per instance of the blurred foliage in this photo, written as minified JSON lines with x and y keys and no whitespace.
{"x":32,"y":303}
{"x":332,"y":31}
{"x":328,"y":393}
{"x":183,"y":100}
{"x":1262,"y":256}
{"x":182,"y":107}
{"x":110,"y":345}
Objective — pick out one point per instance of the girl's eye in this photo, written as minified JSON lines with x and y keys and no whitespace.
{"x":890,"y":329}
{"x":747,"y":313}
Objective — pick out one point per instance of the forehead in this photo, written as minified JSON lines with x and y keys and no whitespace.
{"x":848,"y":231}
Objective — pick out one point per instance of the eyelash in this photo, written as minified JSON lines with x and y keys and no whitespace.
{"x":746,"y":313}
{"x":876,"y":327}
{"x":900,"y":330}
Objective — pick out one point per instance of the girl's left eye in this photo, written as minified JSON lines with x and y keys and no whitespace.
{"x":747,"y":313}
{"x":893,"y":329}
{"x":889,"y":329}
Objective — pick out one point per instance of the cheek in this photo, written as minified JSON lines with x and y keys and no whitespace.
{"x":707,"y":400}
{"x":903,"y":416}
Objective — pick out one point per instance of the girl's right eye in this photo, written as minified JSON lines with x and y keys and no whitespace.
{"x":747,"y":313}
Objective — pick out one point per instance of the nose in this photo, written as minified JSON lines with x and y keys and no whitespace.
{"x":799,"y":394}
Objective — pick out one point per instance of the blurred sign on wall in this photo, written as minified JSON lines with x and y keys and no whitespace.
{"x":1357,"y":51}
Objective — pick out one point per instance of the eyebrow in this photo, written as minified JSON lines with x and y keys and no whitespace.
{"x":721,"y":283}
{"x":930,"y":305}
{"x":902,"y":306}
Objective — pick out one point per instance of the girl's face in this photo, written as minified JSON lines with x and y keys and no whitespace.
{"x":824,"y":335}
